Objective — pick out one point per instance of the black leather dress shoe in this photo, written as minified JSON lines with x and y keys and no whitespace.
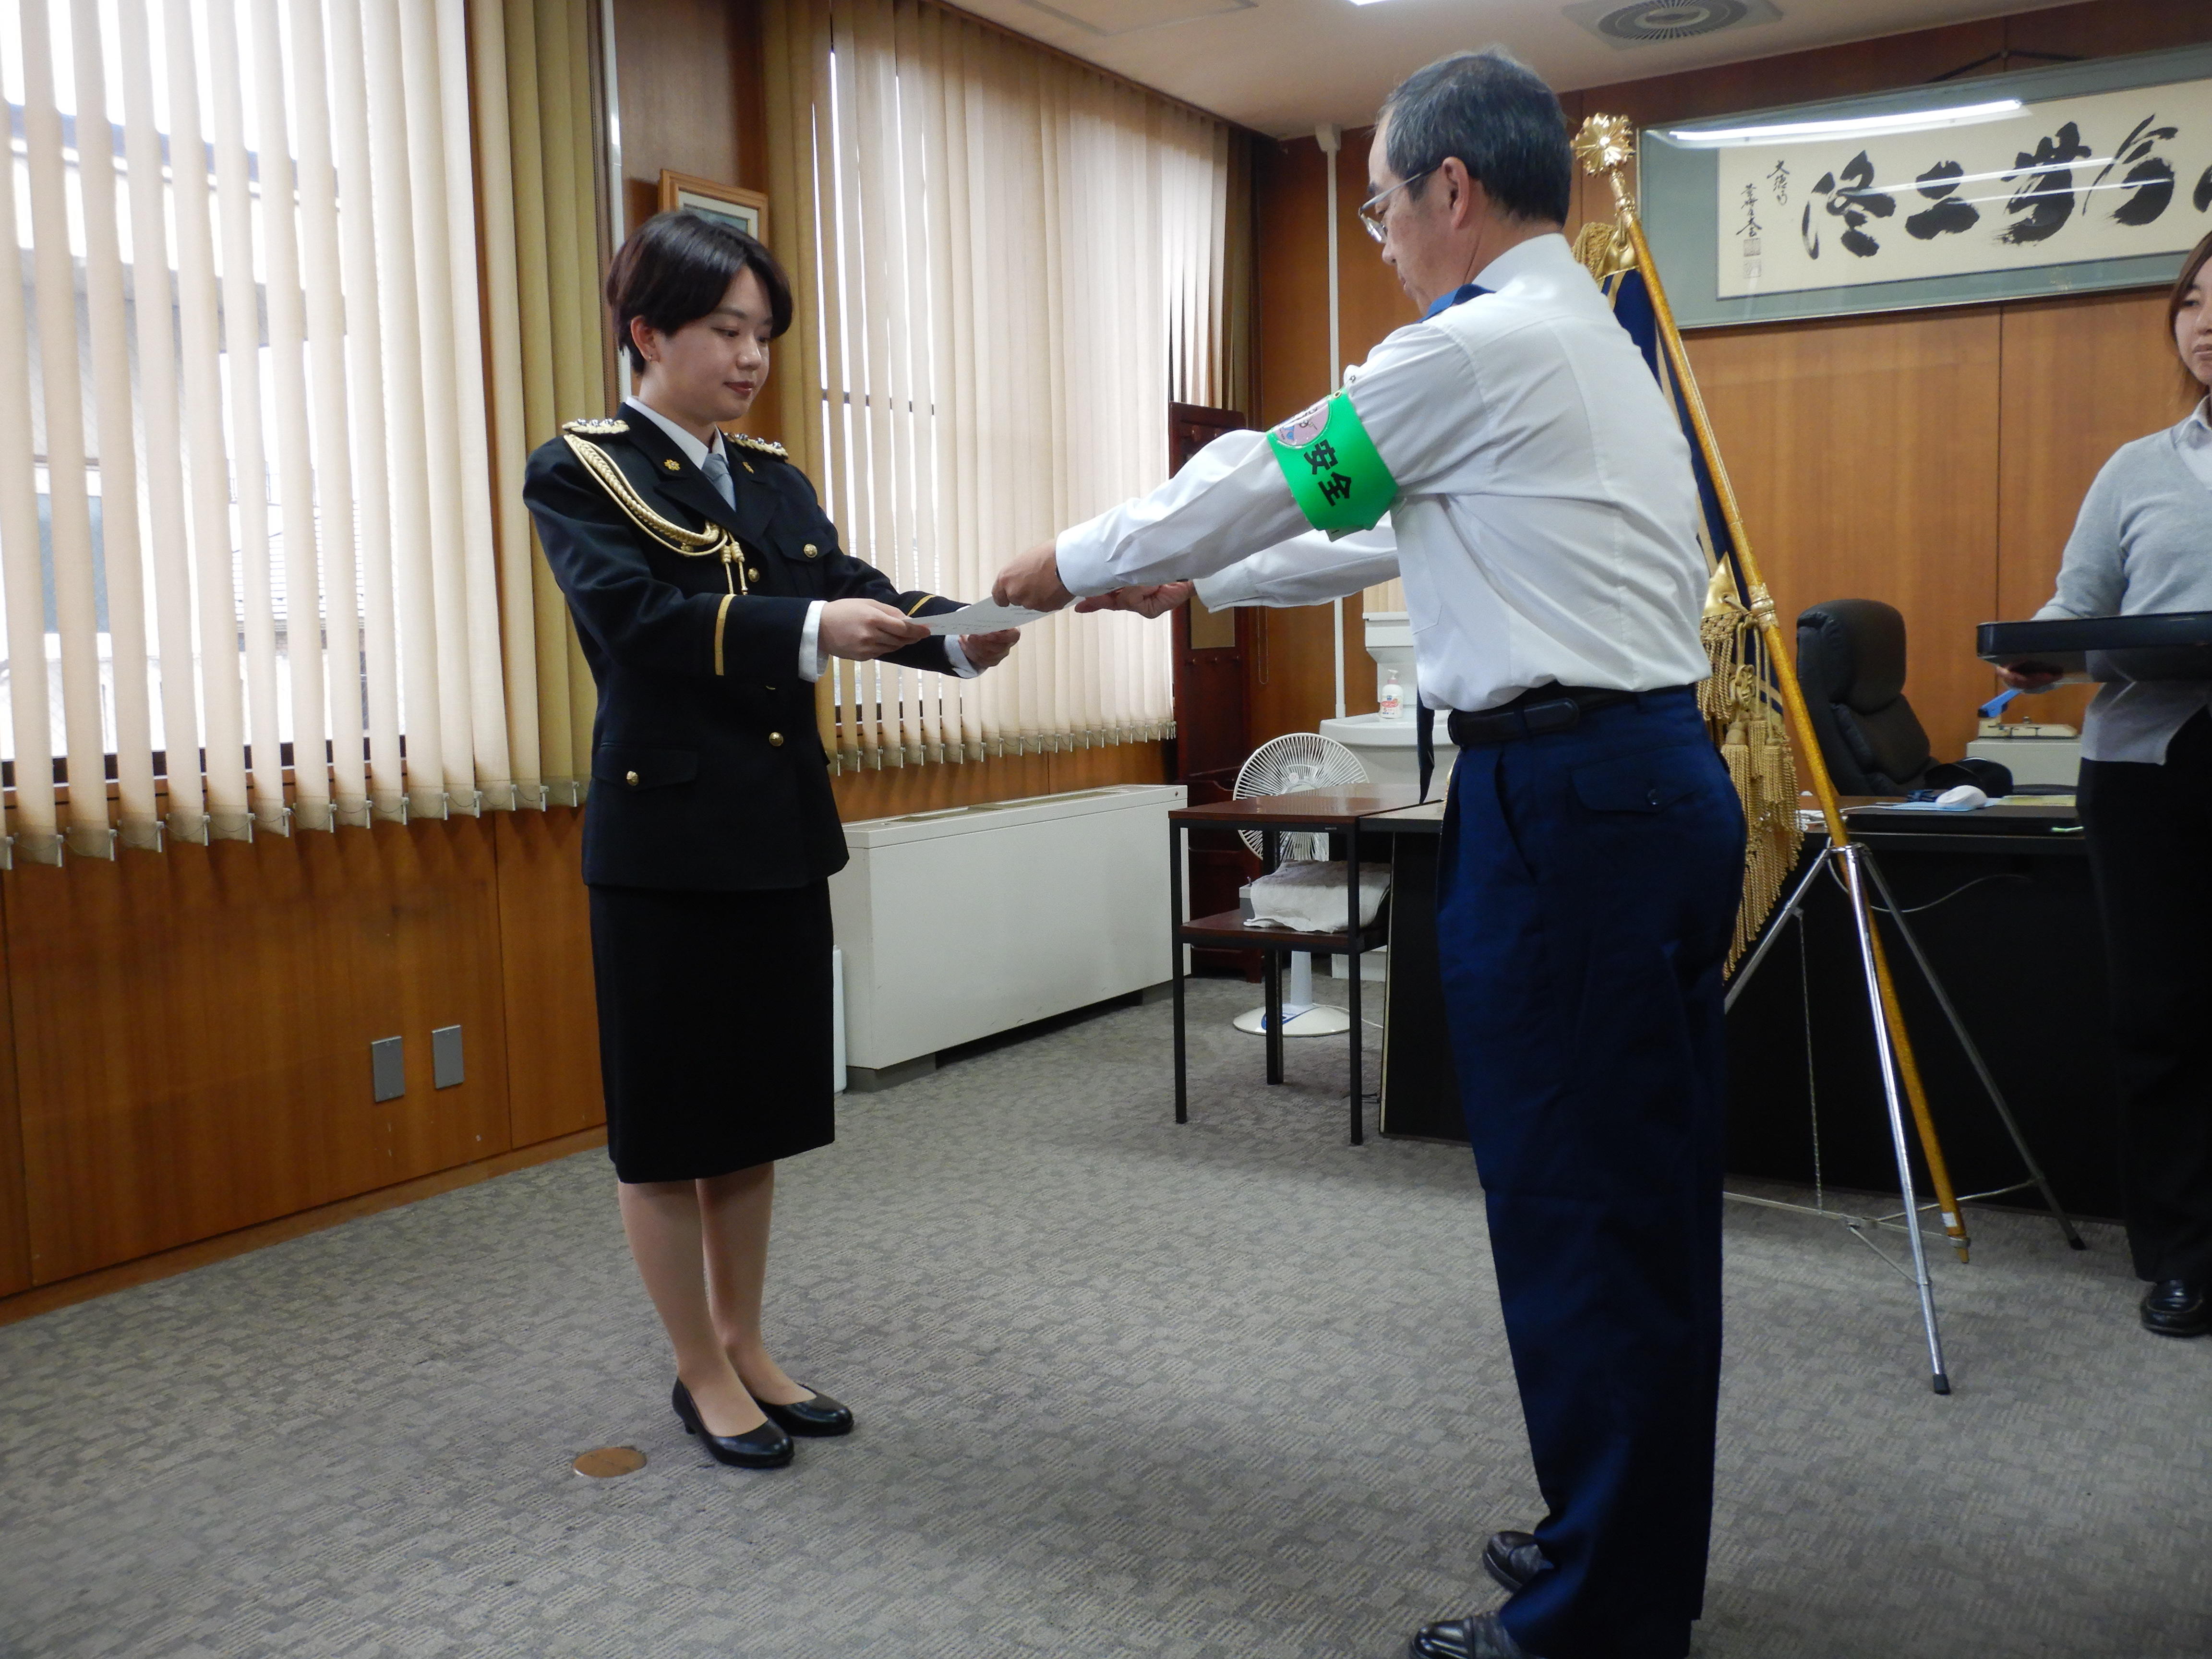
{"x":2176,"y":1307}
{"x":820,"y":1416}
{"x":1512,"y":1558}
{"x":766,"y":1447}
{"x":1480,"y":1638}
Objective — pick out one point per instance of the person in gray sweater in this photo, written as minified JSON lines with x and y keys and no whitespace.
{"x":2143,"y":545}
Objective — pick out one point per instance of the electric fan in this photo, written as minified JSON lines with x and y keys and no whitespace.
{"x":1291,"y":765}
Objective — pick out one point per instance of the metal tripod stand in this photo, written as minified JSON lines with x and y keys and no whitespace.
{"x":1607,"y":145}
{"x":1858,"y":873}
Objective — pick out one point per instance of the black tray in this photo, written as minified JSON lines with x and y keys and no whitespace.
{"x":2173,"y":645}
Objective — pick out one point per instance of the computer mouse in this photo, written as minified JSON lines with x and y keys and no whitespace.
{"x":1964,"y":798}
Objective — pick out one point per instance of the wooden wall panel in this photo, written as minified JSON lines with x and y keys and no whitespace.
{"x":1370,"y":305}
{"x":15,"y":1219}
{"x":2081,"y":377}
{"x":1284,"y":690}
{"x":431,"y":942}
{"x":690,"y":73}
{"x":897,"y":790}
{"x":1865,"y":454}
{"x":692,"y":100}
{"x":545,"y":970}
{"x":192,"y":1030}
{"x":1289,"y":188}
{"x":2104,"y":28}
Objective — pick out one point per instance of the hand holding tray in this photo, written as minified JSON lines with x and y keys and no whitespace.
{"x":2164,"y":645}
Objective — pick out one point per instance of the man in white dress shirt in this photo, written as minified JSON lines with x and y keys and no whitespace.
{"x":1511,"y":459}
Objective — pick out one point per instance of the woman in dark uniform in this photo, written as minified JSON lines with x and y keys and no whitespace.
{"x":708,"y":588}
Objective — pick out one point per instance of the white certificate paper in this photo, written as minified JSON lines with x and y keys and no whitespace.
{"x":982,"y":617}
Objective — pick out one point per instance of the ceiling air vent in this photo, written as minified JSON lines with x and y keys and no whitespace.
{"x":1647,"y":22}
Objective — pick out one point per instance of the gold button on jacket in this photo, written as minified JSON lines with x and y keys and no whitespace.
{"x":776,"y":739}
{"x":631,"y":778}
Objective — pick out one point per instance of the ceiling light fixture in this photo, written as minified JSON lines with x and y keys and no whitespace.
{"x":1859,"y":126}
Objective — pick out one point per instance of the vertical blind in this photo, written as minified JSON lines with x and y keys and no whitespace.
{"x":538,"y":159}
{"x":302,"y":281}
{"x":247,"y":546}
{"x":1007,"y":266}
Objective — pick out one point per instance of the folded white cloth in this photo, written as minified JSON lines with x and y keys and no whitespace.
{"x":1308,"y":897}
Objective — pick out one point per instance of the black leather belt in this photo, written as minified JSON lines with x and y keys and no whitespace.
{"x":1536,"y":714}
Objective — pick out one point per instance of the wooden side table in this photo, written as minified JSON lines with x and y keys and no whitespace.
{"x":1332,"y":811}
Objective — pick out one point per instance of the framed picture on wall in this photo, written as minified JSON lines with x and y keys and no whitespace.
{"x":2067,"y":180}
{"x":745,"y":208}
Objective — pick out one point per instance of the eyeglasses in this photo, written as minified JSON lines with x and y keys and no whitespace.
{"x":1371,"y":211}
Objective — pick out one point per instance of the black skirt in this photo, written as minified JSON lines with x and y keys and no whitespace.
{"x":715,"y":1040}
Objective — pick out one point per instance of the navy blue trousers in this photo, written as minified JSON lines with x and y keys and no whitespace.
{"x":1587,"y":889}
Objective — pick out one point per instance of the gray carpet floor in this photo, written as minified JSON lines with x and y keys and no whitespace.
{"x":1124,"y":1388}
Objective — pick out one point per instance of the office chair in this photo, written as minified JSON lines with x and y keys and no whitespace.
{"x":1850,"y":661}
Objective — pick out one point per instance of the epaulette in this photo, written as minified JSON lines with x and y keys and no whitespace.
{"x":605,"y":426}
{"x":759,"y":445}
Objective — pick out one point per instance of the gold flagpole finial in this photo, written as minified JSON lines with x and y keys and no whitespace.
{"x":1605,"y":146}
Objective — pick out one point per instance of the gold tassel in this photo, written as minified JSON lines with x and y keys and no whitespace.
{"x":1746,"y":722}
{"x":1735,"y":752}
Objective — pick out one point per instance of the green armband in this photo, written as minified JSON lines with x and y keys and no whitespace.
{"x":1335,"y":474}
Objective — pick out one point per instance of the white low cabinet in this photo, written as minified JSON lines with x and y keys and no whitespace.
{"x":961,"y":924}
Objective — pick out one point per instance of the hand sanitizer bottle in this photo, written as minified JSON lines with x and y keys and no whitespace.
{"x":1393,"y":701}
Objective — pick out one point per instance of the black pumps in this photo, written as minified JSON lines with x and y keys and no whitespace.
{"x":767,"y":1447}
{"x":820,"y":1416}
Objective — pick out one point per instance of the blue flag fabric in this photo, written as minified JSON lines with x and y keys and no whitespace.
{"x":1631,"y":308}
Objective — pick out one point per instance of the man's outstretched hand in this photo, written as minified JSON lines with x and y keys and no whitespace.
{"x":1154,"y":601}
{"x":1032,"y":581}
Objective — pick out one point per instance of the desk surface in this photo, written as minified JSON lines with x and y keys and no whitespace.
{"x":1311,"y":806}
{"x":1425,"y":819}
{"x":2015,"y":823}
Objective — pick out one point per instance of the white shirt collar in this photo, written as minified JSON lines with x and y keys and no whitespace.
{"x":694,"y":450}
{"x":2195,"y":427}
{"x":1523,"y":259}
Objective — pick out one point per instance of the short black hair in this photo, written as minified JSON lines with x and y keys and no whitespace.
{"x":1496,"y":114}
{"x":675,"y":269}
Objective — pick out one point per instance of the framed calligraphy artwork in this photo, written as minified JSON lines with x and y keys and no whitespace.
{"x":2086,"y":177}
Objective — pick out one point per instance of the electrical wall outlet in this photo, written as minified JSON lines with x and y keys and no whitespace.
{"x":387,"y":1067}
{"x":445,"y":1068}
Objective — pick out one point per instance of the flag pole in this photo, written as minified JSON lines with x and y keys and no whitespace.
{"x":1607,"y":145}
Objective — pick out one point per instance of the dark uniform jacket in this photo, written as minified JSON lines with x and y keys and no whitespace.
{"x":707,"y":771}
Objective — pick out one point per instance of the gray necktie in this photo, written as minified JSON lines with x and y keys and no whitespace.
{"x":717,"y":474}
